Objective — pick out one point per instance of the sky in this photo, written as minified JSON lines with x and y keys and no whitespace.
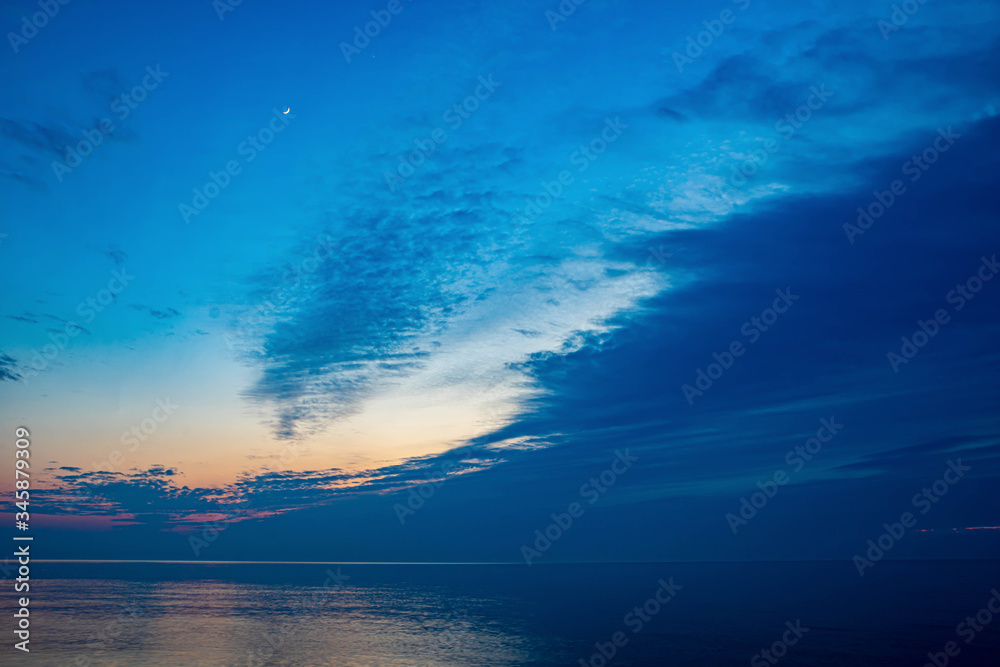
{"x":720,"y":275}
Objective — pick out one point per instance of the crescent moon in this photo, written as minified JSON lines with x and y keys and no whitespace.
{"x":287,"y":109}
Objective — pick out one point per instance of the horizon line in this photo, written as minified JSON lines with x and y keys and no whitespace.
{"x":518,"y":562}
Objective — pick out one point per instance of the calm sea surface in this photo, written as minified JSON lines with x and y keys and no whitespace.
{"x":548,"y":614}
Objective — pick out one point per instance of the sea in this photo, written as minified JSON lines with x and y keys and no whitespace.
{"x":137,"y":614}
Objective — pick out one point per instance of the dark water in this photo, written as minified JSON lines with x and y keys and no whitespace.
{"x":722,"y":614}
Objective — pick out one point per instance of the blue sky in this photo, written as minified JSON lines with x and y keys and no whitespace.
{"x":532,"y":298}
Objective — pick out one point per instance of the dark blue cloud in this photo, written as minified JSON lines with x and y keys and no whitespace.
{"x":8,"y":368}
{"x":824,"y":358}
{"x":593,"y":316}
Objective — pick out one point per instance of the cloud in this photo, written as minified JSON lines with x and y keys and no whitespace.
{"x":420,"y":277}
{"x":167,"y":314}
{"x":116,"y":255}
{"x":105,"y":84}
{"x":30,"y":146}
{"x":154,"y":495}
{"x":8,"y":368}
{"x":48,"y":140}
